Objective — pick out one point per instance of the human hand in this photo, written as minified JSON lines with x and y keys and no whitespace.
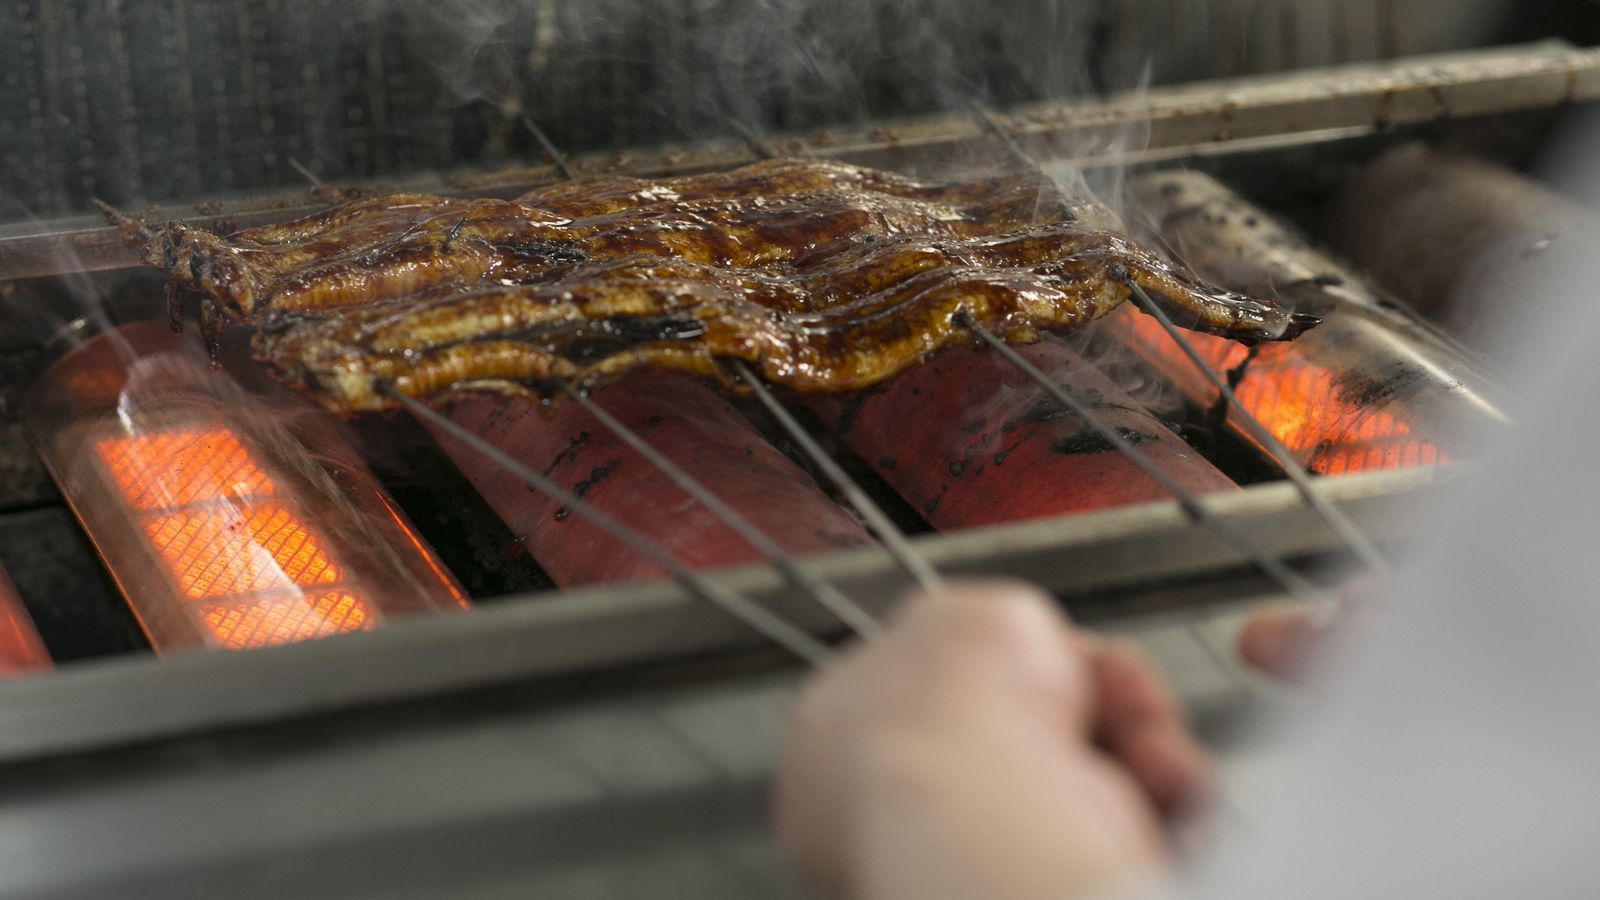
{"x":982,"y":747}
{"x":1282,"y":639}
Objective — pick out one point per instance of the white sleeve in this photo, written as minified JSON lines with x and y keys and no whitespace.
{"x":1454,"y":749}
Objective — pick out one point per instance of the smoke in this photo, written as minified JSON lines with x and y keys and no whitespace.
{"x":620,"y":72}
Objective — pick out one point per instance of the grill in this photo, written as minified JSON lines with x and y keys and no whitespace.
{"x":150,"y":504}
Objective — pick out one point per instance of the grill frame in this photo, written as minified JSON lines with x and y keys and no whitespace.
{"x":1086,"y":560}
{"x":168,"y":761}
{"x":1133,"y":560}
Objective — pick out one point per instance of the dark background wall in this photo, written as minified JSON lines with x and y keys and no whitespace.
{"x":140,"y":101}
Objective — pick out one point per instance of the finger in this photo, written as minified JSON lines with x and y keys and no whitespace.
{"x":1280,"y":640}
{"x":1142,"y":725}
{"x":995,"y":641}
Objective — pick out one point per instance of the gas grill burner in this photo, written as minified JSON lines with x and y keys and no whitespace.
{"x":1135,"y":463}
{"x":214,"y":589}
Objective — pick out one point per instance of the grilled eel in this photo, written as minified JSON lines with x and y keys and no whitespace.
{"x":823,"y":276}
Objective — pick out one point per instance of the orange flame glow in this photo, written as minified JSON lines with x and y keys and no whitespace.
{"x":1301,"y":403}
{"x":243,"y":556}
{"x":268,"y":621}
{"x":219,"y":550}
{"x":183,"y":466}
{"x":21,"y":650}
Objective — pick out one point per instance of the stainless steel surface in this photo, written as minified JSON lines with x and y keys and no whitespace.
{"x":659,"y":791}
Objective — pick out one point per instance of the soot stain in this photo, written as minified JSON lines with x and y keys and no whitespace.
{"x":1049,"y":410}
{"x":568,"y":455}
{"x":1088,"y":442}
{"x":888,"y":463}
{"x":581,"y":488}
{"x":1366,"y":390}
{"x":851,"y":409}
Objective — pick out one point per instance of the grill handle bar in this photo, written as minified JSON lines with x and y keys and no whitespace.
{"x":787,"y":635}
{"x":826,"y":595}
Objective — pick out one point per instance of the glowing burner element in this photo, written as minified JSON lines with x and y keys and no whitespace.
{"x":221,"y":551}
{"x":266,"y":622}
{"x":180,"y":467}
{"x":230,"y":518}
{"x":1299,"y":403}
{"x":21,"y":651}
{"x":1335,"y":424}
{"x":213,"y":520}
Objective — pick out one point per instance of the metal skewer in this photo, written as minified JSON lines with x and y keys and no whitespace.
{"x":307,"y":174}
{"x":991,"y":125}
{"x":549,"y":146}
{"x":894,"y":540}
{"x":1291,"y":580}
{"x":754,"y":141}
{"x":1347,"y":530}
{"x":1192,"y":506}
{"x":767,"y":623}
{"x":826,"y":595}
{"x":130,"y":226}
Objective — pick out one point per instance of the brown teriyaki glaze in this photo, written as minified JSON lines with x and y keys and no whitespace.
{"x":823,"y":276}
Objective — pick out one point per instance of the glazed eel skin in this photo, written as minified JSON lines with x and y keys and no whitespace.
{"x":825,"y":277}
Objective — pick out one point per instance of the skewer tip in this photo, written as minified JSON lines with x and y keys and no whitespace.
{"x":1300,"y":323}
{"x":134,"y":229}
{"x":556,"y":156}
{"x":305,"y":172}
